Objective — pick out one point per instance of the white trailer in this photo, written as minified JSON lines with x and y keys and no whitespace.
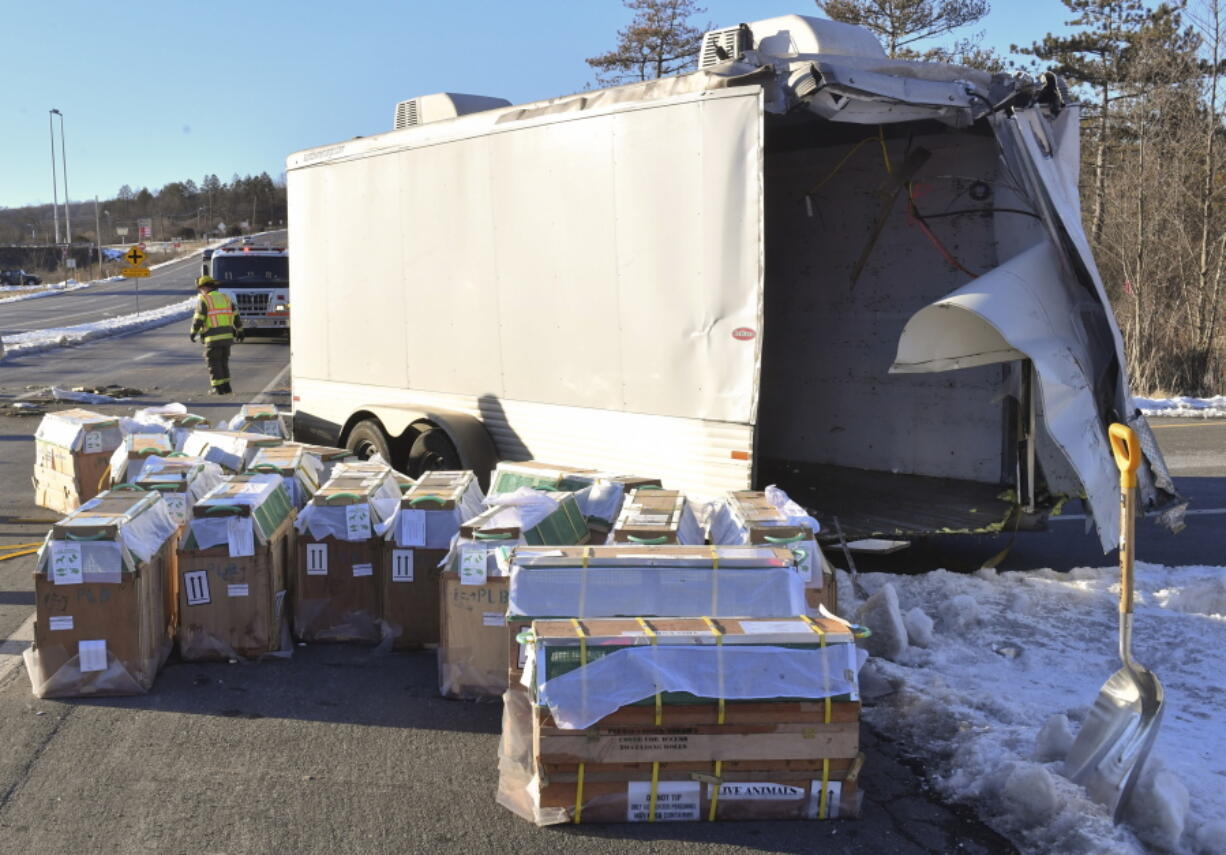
{"x":862,"y":279}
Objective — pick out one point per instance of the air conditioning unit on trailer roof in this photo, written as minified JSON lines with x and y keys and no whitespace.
{"x":442,"y":105}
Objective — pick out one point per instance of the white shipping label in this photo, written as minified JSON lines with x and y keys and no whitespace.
{"x":317,"y":559}
{"x":257,"y":488}
{"x":761,"y":791}
{"x":60,"y":622}
{"x":176,"y":505}
{"x":363,"y":569}
{"x":676,"y":801}
{"x":412,"y":528}
{"x":523,"y":655}
{"x":236,"y":591}
{"x":648,"y":519}
{"x":93,"y":442}
{"x":92,"y":655}
{"x":834,"y":793}
{"x":775,"y":627}
{"x":240,"y":536}
{"x":357,"y":522}
{"x":196,"y":586}
{"x":804,"y":562}
{"x":402,"y":565}
{"x":472,"y":564}
{"x":493,"y":619}
{"x":66,"y":565}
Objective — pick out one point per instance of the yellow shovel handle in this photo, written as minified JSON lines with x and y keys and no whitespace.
{"x":1127,"y":453}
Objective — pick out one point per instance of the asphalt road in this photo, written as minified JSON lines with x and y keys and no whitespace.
{"x":338,"y":750}
{"x":172,"y":283}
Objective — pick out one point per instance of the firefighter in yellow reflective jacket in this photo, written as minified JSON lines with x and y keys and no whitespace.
{"x":218,"y":325}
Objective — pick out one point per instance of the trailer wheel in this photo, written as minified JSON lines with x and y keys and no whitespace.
{"x":432,"y":451}
{"x":368,"y":439}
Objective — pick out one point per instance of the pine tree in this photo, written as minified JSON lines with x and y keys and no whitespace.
{"x":659,"y":42}
{"x":901,"y":23}
{"x":1112,"y":54}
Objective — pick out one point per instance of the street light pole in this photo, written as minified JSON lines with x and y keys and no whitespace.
{"x":55,"y":190}
{"x":64,"y":163}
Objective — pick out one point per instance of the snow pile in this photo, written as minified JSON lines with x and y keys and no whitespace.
{"x":994,"y":689}
{"x":50,"y":290}
{"x":36,"y":341}
{"x":1200,"y":408}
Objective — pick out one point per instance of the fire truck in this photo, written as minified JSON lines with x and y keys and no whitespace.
{"x":257,"y":279}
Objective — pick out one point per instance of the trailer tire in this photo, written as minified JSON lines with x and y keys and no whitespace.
{"x":432,"y":450}
{"x":368,"y":439}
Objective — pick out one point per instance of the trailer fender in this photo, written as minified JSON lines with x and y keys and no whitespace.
{"x":402,"y":422}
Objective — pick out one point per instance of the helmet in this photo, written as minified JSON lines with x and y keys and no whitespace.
{"x":206,"y":282}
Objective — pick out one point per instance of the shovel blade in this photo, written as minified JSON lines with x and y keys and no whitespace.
{"x":1119,"y":731}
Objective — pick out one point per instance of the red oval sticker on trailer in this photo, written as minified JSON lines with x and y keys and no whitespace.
{"x":744,"y":334}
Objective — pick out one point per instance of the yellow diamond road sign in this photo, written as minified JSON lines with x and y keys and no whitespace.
{"x":135,"y":256}
{"x":135,"y":272}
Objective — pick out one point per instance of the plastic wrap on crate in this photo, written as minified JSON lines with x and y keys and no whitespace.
{"x":524,"y":508}
{"x":601,"y":500}
{"x":430,"y":529}
{"x":306,"y":478}
{"x":208,"y":476}
{"x":259,"y":418}
{"x":580,"y":698}
{"x":231,"y":450}
{"x":344,"y":522}
{"x":104,"y":560}
{"x":689,"y":532}
{"x":520,"y":785}
{"x":72,"y":429}
{"x":626,"y":580}
{"x":239,"y":533}
{"x":71,"y":680}
{"x":723,"y":528}
{"x":137,"y":447}
{"x":173,"y":418}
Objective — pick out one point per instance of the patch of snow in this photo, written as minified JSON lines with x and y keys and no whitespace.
{"x":37,"y":341}
{"x":881,"y":615}
{"x":1182,"y":407}
{"x":919,"y":627}
{"x":1006,"y":682}
{"x":959,"y":613}
{"x":1159,"y":806}
{"x":1054,"y":740}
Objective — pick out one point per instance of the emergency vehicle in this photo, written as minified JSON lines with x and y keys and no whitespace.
{"x":256,"y":278}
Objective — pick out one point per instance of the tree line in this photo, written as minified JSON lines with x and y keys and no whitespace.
{"x":180,"y":210}
{"x":1149,"y":80}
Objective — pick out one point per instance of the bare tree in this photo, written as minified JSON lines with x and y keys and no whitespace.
{"x":660,"y":41}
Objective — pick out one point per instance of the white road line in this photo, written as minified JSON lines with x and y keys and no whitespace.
{"x":1192,"y":513}
{"x":145,"y":356}
{"x":13,"y":646}
{"x":264,"y":395}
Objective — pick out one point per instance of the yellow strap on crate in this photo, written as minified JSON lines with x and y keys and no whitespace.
{"x":821,"y":799}
{"x":655,"y":789}
{"x":719,"y":764}
{"x":651,"y":633}
{"x":582,"y":633}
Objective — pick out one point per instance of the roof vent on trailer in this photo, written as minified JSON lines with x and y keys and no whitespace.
{"x":443,"y":105}
{"x":722,"y":45}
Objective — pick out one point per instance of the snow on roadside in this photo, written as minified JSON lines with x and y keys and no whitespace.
{"x":51,"y":290}
{"x":1005,"y":655}
{"x":1199,"y":408}
{"x":37,"y":341}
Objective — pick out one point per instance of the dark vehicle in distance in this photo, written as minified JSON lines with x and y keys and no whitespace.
{"x":18,"y":277}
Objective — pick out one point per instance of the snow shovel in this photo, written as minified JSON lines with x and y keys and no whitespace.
{"x":1119,"y":731}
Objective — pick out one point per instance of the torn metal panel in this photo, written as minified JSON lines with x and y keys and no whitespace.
{"x":1025,"y":304}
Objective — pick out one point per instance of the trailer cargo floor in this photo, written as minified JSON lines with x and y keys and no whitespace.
{"x":872,"y":503}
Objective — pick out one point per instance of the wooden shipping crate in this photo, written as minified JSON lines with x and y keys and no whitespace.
{"x":101,"y":630}
{"x":336,"y":590}
{"x":473,"y":645}
{"x":233,"y":608}
{"x":656,"y":517}
{"x":410,"y":575}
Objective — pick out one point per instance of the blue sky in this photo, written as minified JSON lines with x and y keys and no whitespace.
{"x":165,"y":91}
